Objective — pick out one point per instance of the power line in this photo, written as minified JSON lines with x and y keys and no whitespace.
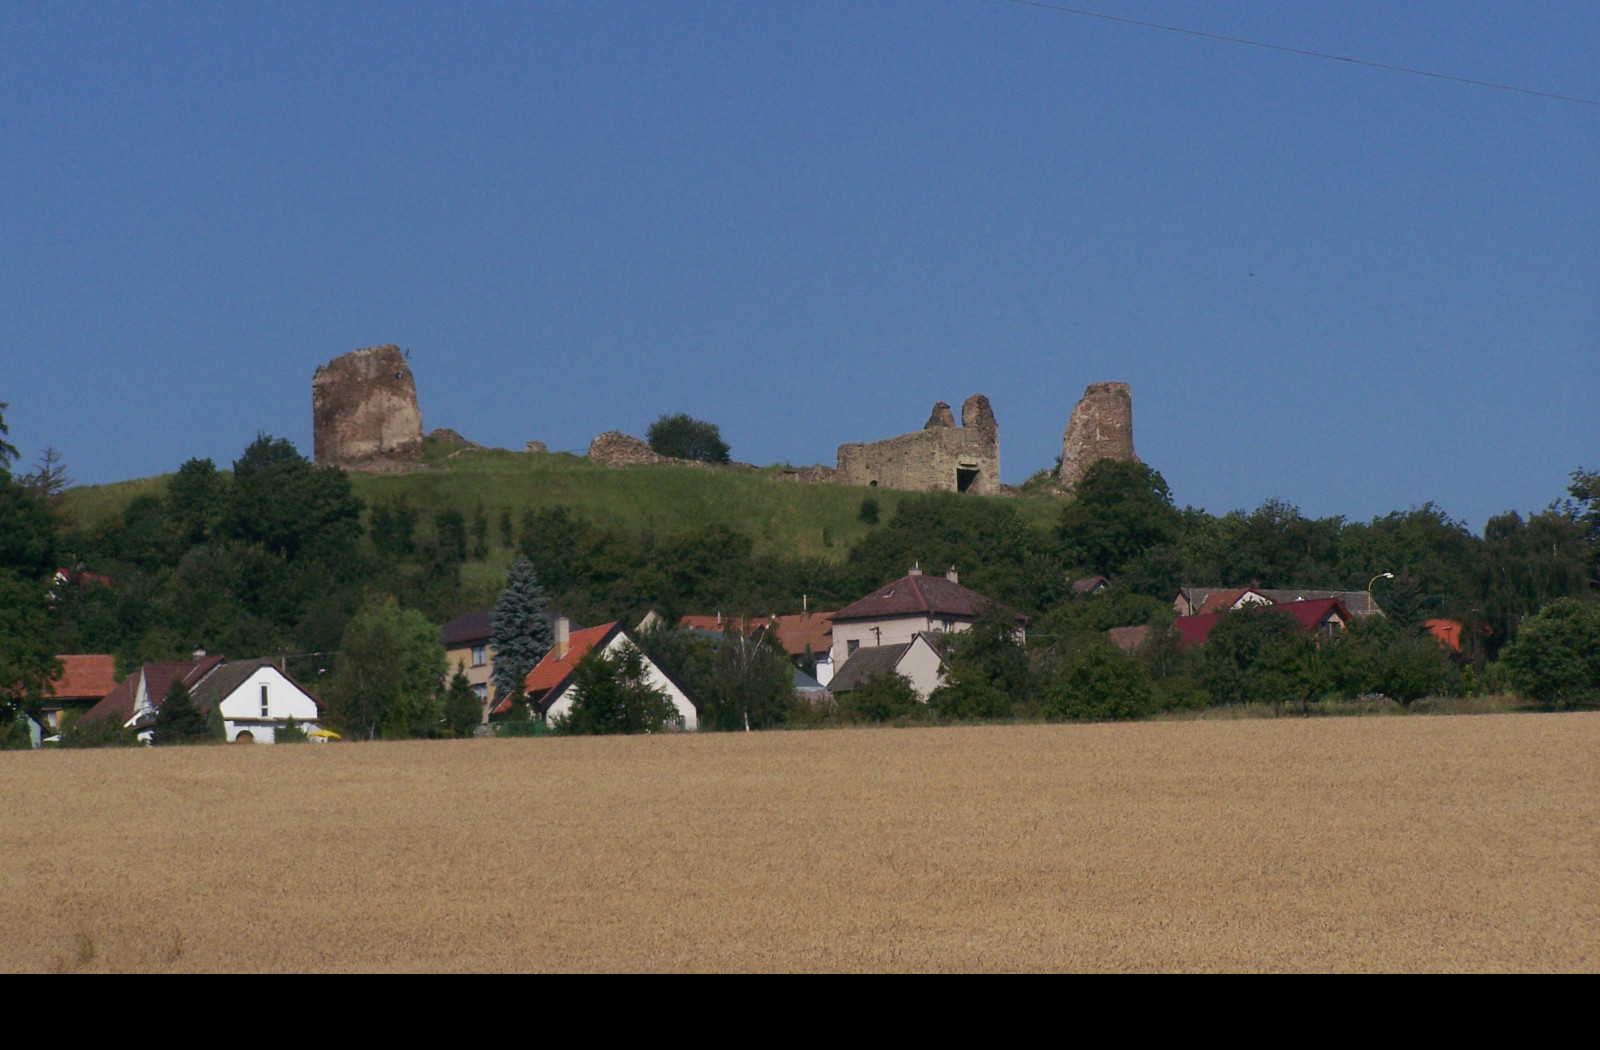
{"x":1303,"y":51}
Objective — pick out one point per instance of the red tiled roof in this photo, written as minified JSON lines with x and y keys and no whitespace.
{"x":917,"y":595}
{"x":85,"y":677}
{"x":1447,"y":632}
{"x":1193,"y":630}
{"x":552,"y":670}
{"x":794,"y":632}
{"x":714,"y":622}
{"x":1220,"y":601}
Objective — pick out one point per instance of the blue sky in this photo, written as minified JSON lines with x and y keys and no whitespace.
{"x":1352,"y":289}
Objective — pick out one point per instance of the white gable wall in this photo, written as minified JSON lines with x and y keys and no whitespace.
{"x":241,"y":709}
{"x":922,"y":667}
{"x":654,"y":677}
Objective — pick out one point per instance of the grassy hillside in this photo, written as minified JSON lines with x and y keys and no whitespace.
{"x":786,"y":517}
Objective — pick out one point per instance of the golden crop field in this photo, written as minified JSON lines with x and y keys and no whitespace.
{"x":1443,"y":843}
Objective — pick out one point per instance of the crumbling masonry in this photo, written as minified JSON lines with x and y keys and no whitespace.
{"x":941,"y":457}
{"x":1101,"y":427}
{"x":364,"y":409}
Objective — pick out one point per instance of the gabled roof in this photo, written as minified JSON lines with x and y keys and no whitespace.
{"x":1193,"y":630}
{"x":917,"y":595}
{"x":1090,"y":584}
{"x":84,"y":677}
{"x":1360,"y":603}
{"x":470,"y":628}
{"x":157,"y":679}
{"x":867,"y":662}
{"x":552,"y":670}
{"x":225,"y":680}
{"x":1217,"y":601}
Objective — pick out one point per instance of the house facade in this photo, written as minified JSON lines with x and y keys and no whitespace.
{"x":897,"y":613}
{"x":85,"y":680}
{"x":466,"y":647}
{"x":549,"y":686}
{"x":918,"y":661}
{"x":256,"y":698}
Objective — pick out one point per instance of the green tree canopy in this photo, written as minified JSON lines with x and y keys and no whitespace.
{"x":1119,"y":511}
{"x":178,"y":720}
{"x":462,"y":712}
{"x":684,"y":437}
{"x":1556,"y":657}
{"x":611,"y":694}
{"x":881,"y":698}
{"x":282,"y":502}
{"x":389,"y":674}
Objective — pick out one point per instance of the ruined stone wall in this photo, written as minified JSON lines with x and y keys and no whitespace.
{"x":1101,"y":427}
{"x":941,"y":457}
{"x":364,"y":409}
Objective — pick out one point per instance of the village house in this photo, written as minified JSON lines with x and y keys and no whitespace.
{"x":918,"y":661}
{"x":1194,"y":601}
{"x":914,"y":604}
{"x":85,"y":680}
{"x":549,"y":687}
{"x":467,"y":649}
{"x":255,"y":697}
{"x":1323,"y":617}
{"x":796,"y":634}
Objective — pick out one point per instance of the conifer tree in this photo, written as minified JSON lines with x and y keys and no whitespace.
{"x":179,"y":721}
{"x":519,"y":632}
{"x":461,"y":708}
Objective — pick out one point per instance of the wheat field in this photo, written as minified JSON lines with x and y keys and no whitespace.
{"x":1462,"y":843}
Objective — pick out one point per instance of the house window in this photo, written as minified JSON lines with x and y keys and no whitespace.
{"x":482,"y":691}
{"x":263,"y":699}
{"x":851,"y":646}
{"x":480,"y":655}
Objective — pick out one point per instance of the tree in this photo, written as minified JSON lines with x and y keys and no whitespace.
{"x":752,"y":685}
{"x":282,"y":502}
{"x":8,"y":451}
{"x":27,"y":656}
{"x":881,"y":698}
{"x":1099,"y":682}
{"x":1119,"y":510}
{"x":611,"y":694}
{"x":986,"y":669}
{"x":388,"y":676}
{"x":48,"y":480}
{"x":684,"y":437}
{"x":1255,"y":655}
{"x":179,"y":721}
{"x":1556,"y":657}
{"x":462,"y":712}
{"x":519,"y":630}
{"x":27,"y":532}
{"x":197,"y":498}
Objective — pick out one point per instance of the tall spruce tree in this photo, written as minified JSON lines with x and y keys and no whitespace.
{"x":519,"y":632}
{"x":178,"y":720}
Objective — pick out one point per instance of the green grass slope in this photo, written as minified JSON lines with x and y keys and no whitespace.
{"x":780,"y":516}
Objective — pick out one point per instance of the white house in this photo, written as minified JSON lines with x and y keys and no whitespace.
{"x":257,"y":700}
{"x":897,"y":613}
{"x":916,"y":660}
{"x":549,"y":687}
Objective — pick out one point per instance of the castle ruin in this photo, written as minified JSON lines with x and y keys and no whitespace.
{"x":941,"y":457}
{"x":1100,"y":427}
{"x":364,"y":409}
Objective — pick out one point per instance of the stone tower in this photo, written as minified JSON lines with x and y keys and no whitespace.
{"x":364,"y":409}
{"x":1101,"y":427}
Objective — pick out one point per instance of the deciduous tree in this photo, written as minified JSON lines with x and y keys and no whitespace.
{"x":684,"y":437}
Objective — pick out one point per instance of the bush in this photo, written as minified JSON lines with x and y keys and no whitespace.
{"x":1099,"y":682}
{"x":881,"y":698}
{"x":869,"y":510}
{"x":289,"y":733}
{"x":105,"y":731}
{"x":1556,"y":657}
{"x":684,"y":437}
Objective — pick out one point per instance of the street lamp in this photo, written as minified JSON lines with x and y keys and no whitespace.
{"x":1375,"y":579}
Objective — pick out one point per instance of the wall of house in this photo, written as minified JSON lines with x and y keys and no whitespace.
{"x":922,"y":666}
{"x":896,"y":631}
{"x":655,"y":678}
{"x":477,"y":674}
{"x":241,"y":709}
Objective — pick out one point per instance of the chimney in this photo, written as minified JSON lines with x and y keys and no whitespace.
{"x":950,"y":574}
{"x":916,"y":569}
{"x":563,"y":636}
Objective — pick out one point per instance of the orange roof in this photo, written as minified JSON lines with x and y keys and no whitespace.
{"x":552,"y":670}
{"x":1448,"y":632}
{"x":1219,"y":601}
{"x":798,"y":630}
{"x":85,"y":677}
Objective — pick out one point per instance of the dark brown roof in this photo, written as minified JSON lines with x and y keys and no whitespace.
{"x":221,"y":683}
{"x":917,"y":595}
{"x":469,"y":628}
{"x":158,"y":679}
